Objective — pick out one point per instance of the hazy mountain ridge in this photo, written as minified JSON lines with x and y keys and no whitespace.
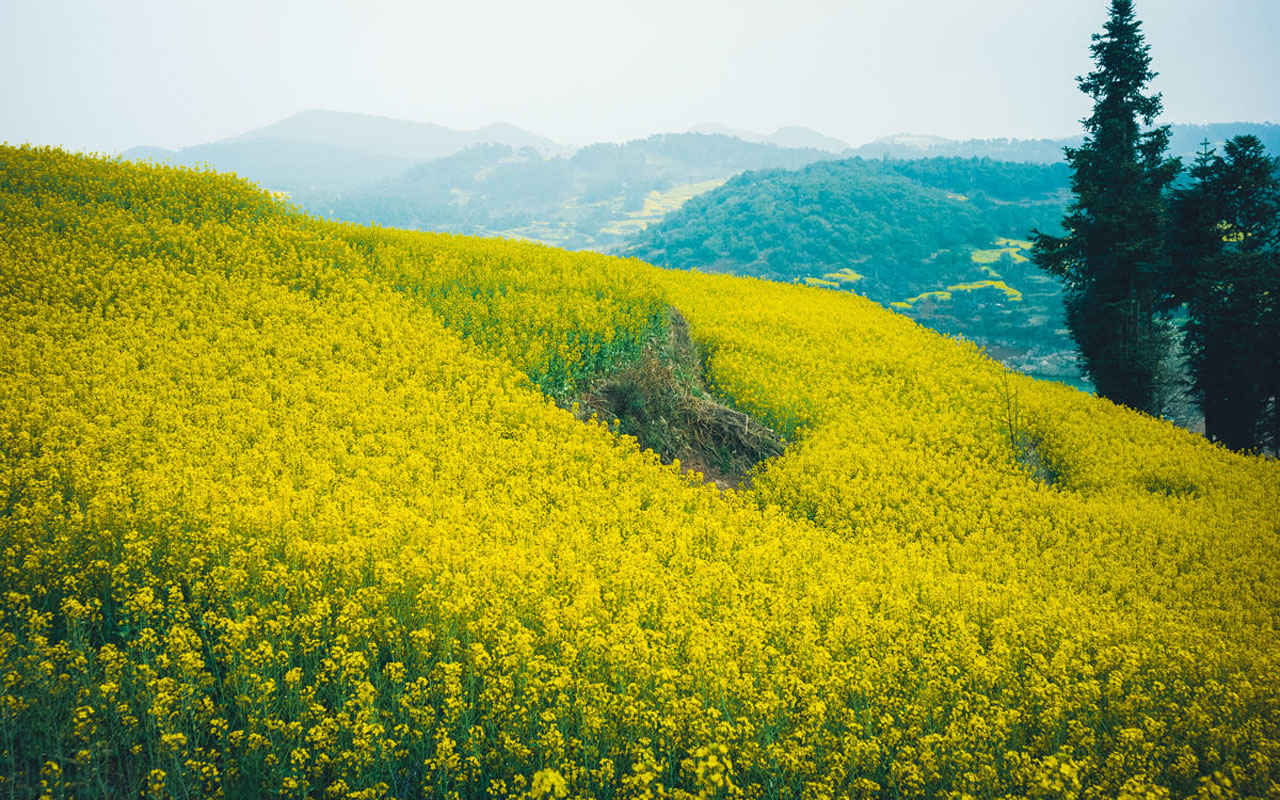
{"x":1184,"y":142}
{"x":786,"y":136}
{"x":329,"y":151}
{"x":292,"y":165}
{"x":418,"y":141}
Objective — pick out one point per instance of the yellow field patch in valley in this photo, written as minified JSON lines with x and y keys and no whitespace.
{"x":845,"y":275}
{"x":658,"y":204}
{"x":1010,"y":292}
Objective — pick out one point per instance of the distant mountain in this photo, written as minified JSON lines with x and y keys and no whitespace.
{"x":1186,"y":138}
{"x":913,"y":146}
{"x":790,"y":136}
{"x":1184,"y":142}
{"x":717,"y":129}
{"x":797,"y":136}
{"x":913,"y":141}
{"x":152,"y":153}
{"x":316,"y":152}
{"x":417,"y":141}
{"x":297,"y":166}
{"x":592,"y":199}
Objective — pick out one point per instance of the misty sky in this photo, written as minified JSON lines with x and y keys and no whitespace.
{"x":111,"y":74}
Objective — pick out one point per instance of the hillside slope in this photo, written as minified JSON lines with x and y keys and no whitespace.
{"x":941,"y":240}
{"x":586,"y":200}
{"x":885,"y":220}
{"x":288,"y":512}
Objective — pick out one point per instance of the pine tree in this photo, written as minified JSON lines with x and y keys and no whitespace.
{"x":1112,"y":257}
{"x":1195,"y":237}
{"x":1225,"y":245}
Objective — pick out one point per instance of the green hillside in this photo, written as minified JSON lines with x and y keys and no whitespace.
{"x":897,"y":221}
{"x":577,"y":201}
{"x":910,"y":231}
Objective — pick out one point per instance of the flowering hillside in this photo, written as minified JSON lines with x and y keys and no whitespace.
{"x":290,"y":509}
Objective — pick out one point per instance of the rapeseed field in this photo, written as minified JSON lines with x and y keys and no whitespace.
{"x":293,"y":508}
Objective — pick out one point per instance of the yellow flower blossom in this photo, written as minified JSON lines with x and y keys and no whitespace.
{"x":292,"y":506}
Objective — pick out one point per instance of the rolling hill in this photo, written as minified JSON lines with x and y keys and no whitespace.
{"x":941,"y":240}
{"x":591,"y":199}
{"x":295,"y":507}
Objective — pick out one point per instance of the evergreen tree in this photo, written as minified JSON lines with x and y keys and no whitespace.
{"x":1112,"y":256}
{"x":1195,"y":238}
{"x":1225,"y":241}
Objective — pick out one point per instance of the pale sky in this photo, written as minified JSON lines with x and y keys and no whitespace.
{"x":111,"y":74}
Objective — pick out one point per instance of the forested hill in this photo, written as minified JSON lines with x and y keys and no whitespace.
{"x":942,"y":240}
{"x":886,"y":220}
{"x":592,"y":199}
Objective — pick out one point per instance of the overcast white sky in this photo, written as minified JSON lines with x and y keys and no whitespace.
{"x":111,"y":74}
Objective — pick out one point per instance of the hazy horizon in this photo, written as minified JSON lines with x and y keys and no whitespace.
{"x":92,"y":76}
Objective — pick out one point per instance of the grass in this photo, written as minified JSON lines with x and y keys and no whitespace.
{"x":658,"y":204}
{"x":663,"y":400}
